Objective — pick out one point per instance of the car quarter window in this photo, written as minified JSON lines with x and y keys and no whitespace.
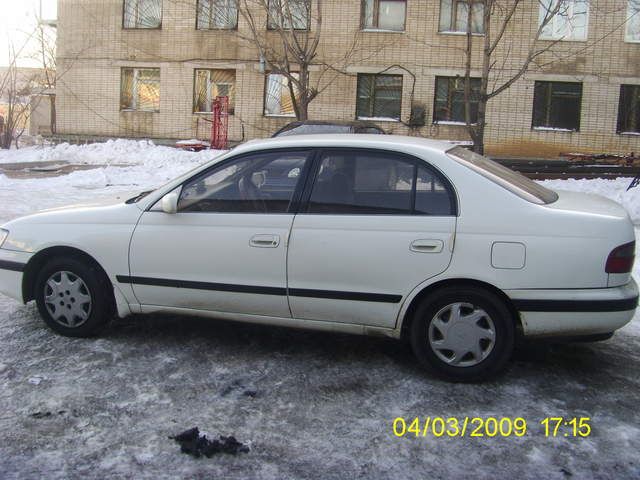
{"x":258,"y":183}
{"x":433,"y":196}
{"x":382,"y":183}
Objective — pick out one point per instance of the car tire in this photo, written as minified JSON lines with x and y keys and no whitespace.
{"x":463,"y":334}
{"x":73,"y":297}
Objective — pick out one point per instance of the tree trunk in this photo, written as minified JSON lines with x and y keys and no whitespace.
{"x":483,"y":97}
{"x":478,"y":140}
{"x":52,"y":114}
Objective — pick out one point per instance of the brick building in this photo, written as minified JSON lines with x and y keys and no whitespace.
{"x":149,"y":68}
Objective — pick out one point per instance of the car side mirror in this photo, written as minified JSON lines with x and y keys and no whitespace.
{"x":170,"y":203}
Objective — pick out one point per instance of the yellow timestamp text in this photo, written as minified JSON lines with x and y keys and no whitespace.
{"x":574,"y":427}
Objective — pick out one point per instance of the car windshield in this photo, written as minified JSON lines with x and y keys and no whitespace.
{"x":505,"y":177}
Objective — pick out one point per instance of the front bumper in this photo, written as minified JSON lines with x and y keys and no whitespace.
{"x":546,"y":313}
{"x":12,"y":264}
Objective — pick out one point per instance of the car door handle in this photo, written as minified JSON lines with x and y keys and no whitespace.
{"x":265,"y":241}
{"x":427,"y":246}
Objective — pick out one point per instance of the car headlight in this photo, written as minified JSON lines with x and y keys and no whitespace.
{"x":3,"y":236}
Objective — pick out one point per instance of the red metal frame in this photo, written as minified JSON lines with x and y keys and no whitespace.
{"x":220,"y":123}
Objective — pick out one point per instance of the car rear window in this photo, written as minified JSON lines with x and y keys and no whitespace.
{"x":505,"y":177}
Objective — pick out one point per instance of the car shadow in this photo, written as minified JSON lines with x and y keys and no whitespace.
{"x":540,"y":358}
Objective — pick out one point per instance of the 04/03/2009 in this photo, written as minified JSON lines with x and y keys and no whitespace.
{"x":574,"y":427}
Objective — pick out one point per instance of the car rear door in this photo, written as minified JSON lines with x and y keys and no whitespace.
{"x":225,"y":248}
{"x":372,"y":226}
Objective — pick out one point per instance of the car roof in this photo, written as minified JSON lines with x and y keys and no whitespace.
{"x":398,"y":143}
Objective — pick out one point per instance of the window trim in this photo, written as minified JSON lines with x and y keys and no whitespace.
{"x":546,"y":128}
{"x":460,"y":32}
{"x":379,"y":119}
{"x":217,"y":29}
{"x":133,"y":95}
{"x":435,"y":100}
{"x":551,"y":38}
{"x":271,"y":28}
{"x":417,"y":162}
{"x":376,"y":9}
{"x":124,"y":10}
{"x":628,"y":39}
{"x":297,"y":193}
{"x":232,"y":108}
{"x":620,"y":131}
{"x":264,"y":98}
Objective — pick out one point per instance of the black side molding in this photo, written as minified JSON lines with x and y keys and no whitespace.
{"x":576,"y":305}
{"x":13,"y":266}
{"x":337,"y":295}
{"x":220,"y":287}
{"x":259,"y":290}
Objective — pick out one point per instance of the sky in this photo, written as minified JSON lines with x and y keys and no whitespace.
{"x":17,"y":22}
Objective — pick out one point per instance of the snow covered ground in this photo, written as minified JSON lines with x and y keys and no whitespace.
{"x":147,"y":166}
{"x":310,"y":405}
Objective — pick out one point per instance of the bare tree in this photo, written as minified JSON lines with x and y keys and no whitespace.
{"x":46,"y":56}
{"x":289,"y":47}
{"x":501,"y":16}
{"x":15,"y":89}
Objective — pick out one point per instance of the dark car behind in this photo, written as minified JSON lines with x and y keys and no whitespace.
{"x":309,"y":127}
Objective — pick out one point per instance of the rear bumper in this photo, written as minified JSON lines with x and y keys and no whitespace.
{"x":575,"y":312}
{"x":11,"y":267}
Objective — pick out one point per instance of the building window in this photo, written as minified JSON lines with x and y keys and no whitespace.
{"x":629,"y":109}
{"x":210,"y":84}
{"x":140,"y":89}
{"x":568,"y":20}
{"x":633,"y":21}
{"x":277,"y":97}
{"x":454,"y":15}
{"x":289,"y":14}
{"x":379,"y":96}
{"x":142,"y":14}
{"x":217,"y":14}
{"x":556,"y":105}
{"x":384,"y":15}
{"x":449,"y":100}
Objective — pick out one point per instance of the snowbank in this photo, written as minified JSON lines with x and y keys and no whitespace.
{"x":148,"y":166}
{"x":118,"y":151}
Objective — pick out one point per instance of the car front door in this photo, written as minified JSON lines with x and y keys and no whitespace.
{"x":225,"y":248}
{"x":374,"y":226}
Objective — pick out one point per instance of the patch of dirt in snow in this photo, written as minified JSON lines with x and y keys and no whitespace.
{"x":196,"y":444}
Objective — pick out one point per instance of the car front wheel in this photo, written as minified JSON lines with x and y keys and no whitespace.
{"x":463,"y":333}
{"x":72,"y":297}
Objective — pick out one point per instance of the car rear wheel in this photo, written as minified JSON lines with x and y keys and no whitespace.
{"x":463,"y":333}
{"x":72,"y":297}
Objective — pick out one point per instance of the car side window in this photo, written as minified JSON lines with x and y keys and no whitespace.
{"x":433,"y":196}
{"x":378,"y":183}
{"x":362,"y":183}
{"x":260,"y":183}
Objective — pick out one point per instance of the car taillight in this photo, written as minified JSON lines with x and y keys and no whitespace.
{"x":621,"y":258}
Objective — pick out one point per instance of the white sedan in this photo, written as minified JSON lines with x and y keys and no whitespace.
{"x":367,"y":234}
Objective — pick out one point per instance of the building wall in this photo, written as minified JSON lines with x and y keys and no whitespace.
{"x":93,"y":48}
